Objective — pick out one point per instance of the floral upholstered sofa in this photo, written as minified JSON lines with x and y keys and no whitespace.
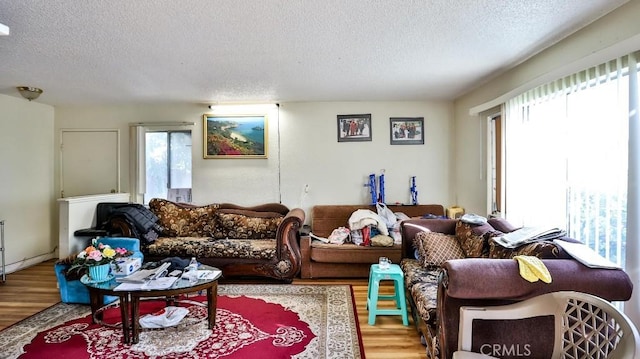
{"x":242,"y":241}
{"x":448,"y":264}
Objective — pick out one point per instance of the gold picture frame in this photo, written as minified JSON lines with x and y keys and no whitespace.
{"x":235,"y":136}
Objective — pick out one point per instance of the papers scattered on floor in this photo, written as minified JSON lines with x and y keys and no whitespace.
{"x":153,"y":284}
{"x":586,"y":255}
{"x":166,"y":317}
{"x":526,"y":235}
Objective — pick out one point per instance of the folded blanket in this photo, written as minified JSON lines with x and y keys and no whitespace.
{"x":533,"y":269}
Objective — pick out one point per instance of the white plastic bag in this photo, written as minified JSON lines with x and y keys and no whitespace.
{"x":166,"y":317}
{"x":339,"y":235}
{"x":357,"y":237}
{"x":386,"y":214}
{"x":395,"y":233}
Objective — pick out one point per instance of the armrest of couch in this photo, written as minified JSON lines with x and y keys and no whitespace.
{"x":305,"y":246}
{"x":489,"y":282}
{"x":288,"y":250}
{"x":483,"y":278}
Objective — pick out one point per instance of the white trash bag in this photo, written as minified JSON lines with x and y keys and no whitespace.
{"x":395,"y":233}
{"x":387,"y":215}
{"x":165,"y":317}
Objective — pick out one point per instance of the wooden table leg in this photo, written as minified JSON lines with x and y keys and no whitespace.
{"x":124,"y":313}
{"x":212,"y":302}
{"x":135,"y":317}
{"x":95,"y":299}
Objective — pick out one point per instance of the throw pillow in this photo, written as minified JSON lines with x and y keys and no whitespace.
{"x":436,"y":248}
{"x":183,"y":220}
{"x":243,"y":224}
{"x":473,"y":238}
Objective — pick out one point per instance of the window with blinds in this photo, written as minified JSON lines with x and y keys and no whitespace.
{"x":566,"y":155}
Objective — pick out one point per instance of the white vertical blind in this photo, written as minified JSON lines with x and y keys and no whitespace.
{"x":534,"y":136}
{"x":566,"y":156}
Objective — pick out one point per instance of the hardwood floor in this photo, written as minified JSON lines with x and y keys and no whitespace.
{"x":27,"y":292}
{"x":33,"y":289}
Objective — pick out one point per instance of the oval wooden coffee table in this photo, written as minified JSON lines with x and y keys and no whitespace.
{"x":130,"y":300}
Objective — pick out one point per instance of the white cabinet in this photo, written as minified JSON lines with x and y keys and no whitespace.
{"x":78,"y":213}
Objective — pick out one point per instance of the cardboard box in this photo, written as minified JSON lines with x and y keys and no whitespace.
{"x":455,"y":212}
{"x":125,"y":266}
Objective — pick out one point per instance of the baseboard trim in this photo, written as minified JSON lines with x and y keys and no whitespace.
{"x":28,"y":262}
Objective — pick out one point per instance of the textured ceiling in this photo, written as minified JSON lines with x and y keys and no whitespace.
{"x":207,"y":51}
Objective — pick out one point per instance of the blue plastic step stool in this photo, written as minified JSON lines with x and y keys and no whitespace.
{"x":376,"y":275}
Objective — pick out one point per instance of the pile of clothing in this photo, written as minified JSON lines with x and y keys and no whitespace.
{"x":368,"y":228}
{"x":143,"y":222}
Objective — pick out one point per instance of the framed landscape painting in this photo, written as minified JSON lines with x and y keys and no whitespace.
{"x":407,"y":130}
{"x":235,"y":136}
{"x":354,"y":128}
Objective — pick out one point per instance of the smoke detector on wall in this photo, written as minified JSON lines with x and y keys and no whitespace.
{"x":4,"y":30}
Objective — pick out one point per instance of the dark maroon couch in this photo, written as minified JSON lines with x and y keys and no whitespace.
{"x":489,"y":282}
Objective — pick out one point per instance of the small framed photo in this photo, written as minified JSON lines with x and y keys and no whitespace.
{"x":354,"y":128}
{"x":235,"y":136}
{"x":407,"y":130}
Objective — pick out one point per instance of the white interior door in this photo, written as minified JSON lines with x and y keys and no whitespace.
{"x":90,"y":162}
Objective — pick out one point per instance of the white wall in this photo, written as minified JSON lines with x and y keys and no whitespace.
{"x":303,"y":149}
{"x":337,"y":171}
{"x":26,"y":181}
{"x":616,"y":34}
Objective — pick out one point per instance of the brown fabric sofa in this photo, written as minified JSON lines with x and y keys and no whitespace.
{"x":320,"y":260}
{"x":242,"y":241}
{"x":436,"y":292}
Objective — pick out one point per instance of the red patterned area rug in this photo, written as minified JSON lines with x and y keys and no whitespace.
{"x":252,"y":321}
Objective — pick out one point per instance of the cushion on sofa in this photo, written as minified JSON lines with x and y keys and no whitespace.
{"x":474,"y":238}
{"x":422,"y":283}
{"x":353,"y":253}
{"x":183,"y":220}
{"x":202,"y":247}
{"x":244,"y":224}
{"x":435,"y":248}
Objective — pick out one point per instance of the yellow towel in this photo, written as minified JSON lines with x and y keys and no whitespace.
{"x":533,"y":269}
